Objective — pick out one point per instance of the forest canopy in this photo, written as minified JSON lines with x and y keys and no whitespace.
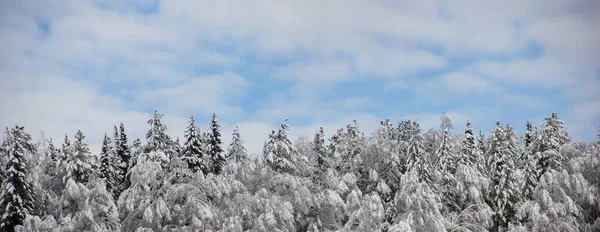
{"x":397,"y":178}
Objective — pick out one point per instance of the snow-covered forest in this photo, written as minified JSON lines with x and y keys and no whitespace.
{"x":400,"y":177}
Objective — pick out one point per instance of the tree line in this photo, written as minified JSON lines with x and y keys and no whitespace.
{"x":398,"y":178}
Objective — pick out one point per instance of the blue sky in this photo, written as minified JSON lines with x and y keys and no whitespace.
{"x":69,"y":65}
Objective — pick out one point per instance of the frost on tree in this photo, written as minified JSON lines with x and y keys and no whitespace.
{"x":159,"y":146}
{"x":279,"y":152}
{"x":110,"y":166}
{"x":80,"y":163}
{"x":418,"y":158}
{"x":468,"y":154}
{"x":547,"y":143}
{"x":16,"y":194}
{"x":504,"y":193}
{"x":236,"y":151}
{"x":193,"y":153}
{"x":123,"y":154}
{"x":215,"y":152}
{"x":322,"y":159}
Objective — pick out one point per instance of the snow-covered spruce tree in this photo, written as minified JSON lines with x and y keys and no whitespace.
{"x":318,"y":147}
{"x":468,"y":155}
{"x":511,"y":138}
{"x":529,"y":160}
{"x":136,"y":151}
{"x":109,"y":167}
{"x":193,"y":153}
{"x":447,"y":164}
{"x":481,"y":149}
{"x":336,"y":149}
{"x":279,"y":151}
{"x":215,"y":152}
{"x":80,"y":163}
{"x":418,"y":159}
{"x":236,"y":151}
{"x":123,"y":155}
{"x":3,"y":153}
{"x":548,"y":143}
{"x":159,"y":146}
{"x":417,"y":205}
{"x":505,"y":191}
{"x":16,"y":194}
{"x":528,"y":137}
{"x":353,"y":141}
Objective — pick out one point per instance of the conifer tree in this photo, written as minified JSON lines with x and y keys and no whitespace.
{"x":512,"y":143}
{"x":447,"y":158}
{"x":504,"y":194}
{"x":321,"y":152}
{"x":279,"y":151}
{"x":236,"y":152}
{"x":418,"y":159}
{"x":136,"y":151}
{"x":481,"y":153}
{"x":80,"y":162}
{"x":215,"y":151}
{"x":193,"y":153}
{"x":123,"y":152}
{"x":548,"y":143}
{"x":159,"y":146}
{"x":468,"y":154}
{"x":528,"y":138}
{"x":109,"y":167}
{"x":16,"y":195}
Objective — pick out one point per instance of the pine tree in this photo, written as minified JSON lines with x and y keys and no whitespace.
{"x":109,"y":167}
{"x":193,"y":153}
{"x":528,"y":138}
{"x":279,"y":151}
{"x":320,"y":151}
{"x":80,"y":163}
{"x":418,"y":159}
{"x":504,"y":194}
{"x":236,"y":151}
{"x":214,"y":146}
{"x":159,"y":146}
{"x":548,"y":143}
{"x":16,"y":196}
{"x":468,"y":154}
{"x":123,"y":153}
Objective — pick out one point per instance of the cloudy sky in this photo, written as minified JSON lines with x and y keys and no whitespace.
{"x":68,"y":65}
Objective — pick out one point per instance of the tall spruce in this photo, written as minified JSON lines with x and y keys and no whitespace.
{"x":80,"y":162}
{"x":159,"y":146}
{"x":548,"y":143}
{"x":236,"y":151}
{"x":418,"y":158}
{"x":320,"y":151}
{"x":110,"y":167}
{"x":16,"y":195}
{"x":193,"y":153}
{"x":215,"y":151}
{"x":123,"y":153}
{"x":279,"y":151}
{"x":468,"y":154}
{"x":504,"y":193}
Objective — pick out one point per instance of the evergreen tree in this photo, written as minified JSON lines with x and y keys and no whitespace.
{"x":109,"y":167}
{"x":236,"y":151}
{"x":548,"y":143}
{"x":159,"y":146}
{"x":136,"y":151}
{"x":215,"y":151}
{"x":504,"y":194}
{"x":512,"y":142}
{"x":279,"y":151}
{"x":481,"y":153}
{"x":80,"y":162}
{"x":528,"y":138}
{"x":193,"y":153}
{"x":418,"y":159}
{"x":16,"y":195}
{"x":321,"y":152}
{"x":123,"y":153}
{"x":447,"y":159}
{"x":468,"y":154}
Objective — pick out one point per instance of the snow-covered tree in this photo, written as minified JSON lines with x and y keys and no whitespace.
{"x":16,"y":194}
{"x":110,"y":166}
{"x":418,"y":159}
{"x":504,"y":193}
{"x":123,"y":153}
{"x":468,"y":154}
{"x":236,"y":151}
{"x":80,"y":163}
{"x":159,"y":146}
{"x":279,"y":151}
{"x":319,"y":149}
{"x":548,"y":142}
{"x":215,"y":152}
{"x":193,"y":153}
